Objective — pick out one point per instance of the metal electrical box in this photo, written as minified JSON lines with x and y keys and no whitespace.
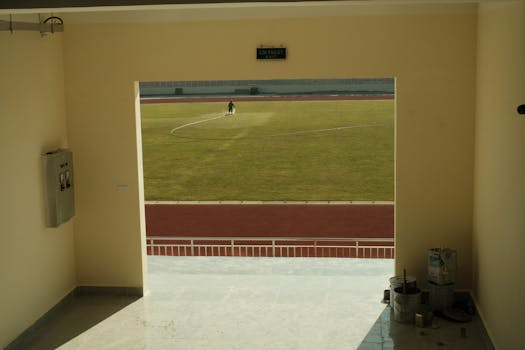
{"x":59,"y":187}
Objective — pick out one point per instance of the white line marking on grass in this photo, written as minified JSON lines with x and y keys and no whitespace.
{"x":323,"y":130}
{"x":299,"y":132}
{"x":193,"y":123}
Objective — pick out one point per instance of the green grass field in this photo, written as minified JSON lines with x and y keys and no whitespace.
{"x":299,"y":150}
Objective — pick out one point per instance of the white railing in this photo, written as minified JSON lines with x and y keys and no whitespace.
{"x":309,"y":202}
{"x":271,"y":247}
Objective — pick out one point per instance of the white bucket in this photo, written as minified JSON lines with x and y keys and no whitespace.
{"x":442,"y":265}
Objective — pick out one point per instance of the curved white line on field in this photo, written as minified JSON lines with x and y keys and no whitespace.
{"x":322,"y":130}
{"x":193,"y":123}
{"x":299,"y":132}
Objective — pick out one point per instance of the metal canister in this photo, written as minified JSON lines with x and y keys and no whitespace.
{"x":441,"y":296}
{"x":397,"y":281}
{"x":406,"y":305}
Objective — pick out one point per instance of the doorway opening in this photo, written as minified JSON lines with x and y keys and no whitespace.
{"x":295,"y":170}
{"x":269,"y":168}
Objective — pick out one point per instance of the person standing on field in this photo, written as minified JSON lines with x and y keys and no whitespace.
{"x":231,"y":106}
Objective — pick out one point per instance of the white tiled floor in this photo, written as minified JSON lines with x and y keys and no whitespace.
{"x":248,"y":303}
{"x":252,"y":303}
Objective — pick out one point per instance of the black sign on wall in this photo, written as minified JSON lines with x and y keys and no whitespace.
{"x":271,"y":53}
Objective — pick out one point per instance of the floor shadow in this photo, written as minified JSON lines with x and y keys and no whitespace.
{"x":386,"y":333}
{"x":70,"y":319}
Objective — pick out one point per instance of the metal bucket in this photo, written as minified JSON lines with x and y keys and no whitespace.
{"x":397,"y":281}
{"x":440,"y":297}
{"x":406,"y":304}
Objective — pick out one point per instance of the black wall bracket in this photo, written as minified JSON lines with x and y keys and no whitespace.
{"x":521,"y":109}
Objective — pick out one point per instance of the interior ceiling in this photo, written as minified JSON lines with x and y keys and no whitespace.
{"x":57,"y":4}
{"x":28,"y":4}
{"x":100,"y":11}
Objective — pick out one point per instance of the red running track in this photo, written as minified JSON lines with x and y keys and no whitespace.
{"x":271,"y":220}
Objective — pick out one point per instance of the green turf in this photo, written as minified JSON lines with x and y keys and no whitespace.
{"x":269,"y":151}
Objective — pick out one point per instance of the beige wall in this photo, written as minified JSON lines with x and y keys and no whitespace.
{"x":499,"y":220}
{"x":431,"y":55}
{"x":37,"y":266}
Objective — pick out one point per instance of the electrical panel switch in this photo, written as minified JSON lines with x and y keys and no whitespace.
{"x":59,"y":187}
